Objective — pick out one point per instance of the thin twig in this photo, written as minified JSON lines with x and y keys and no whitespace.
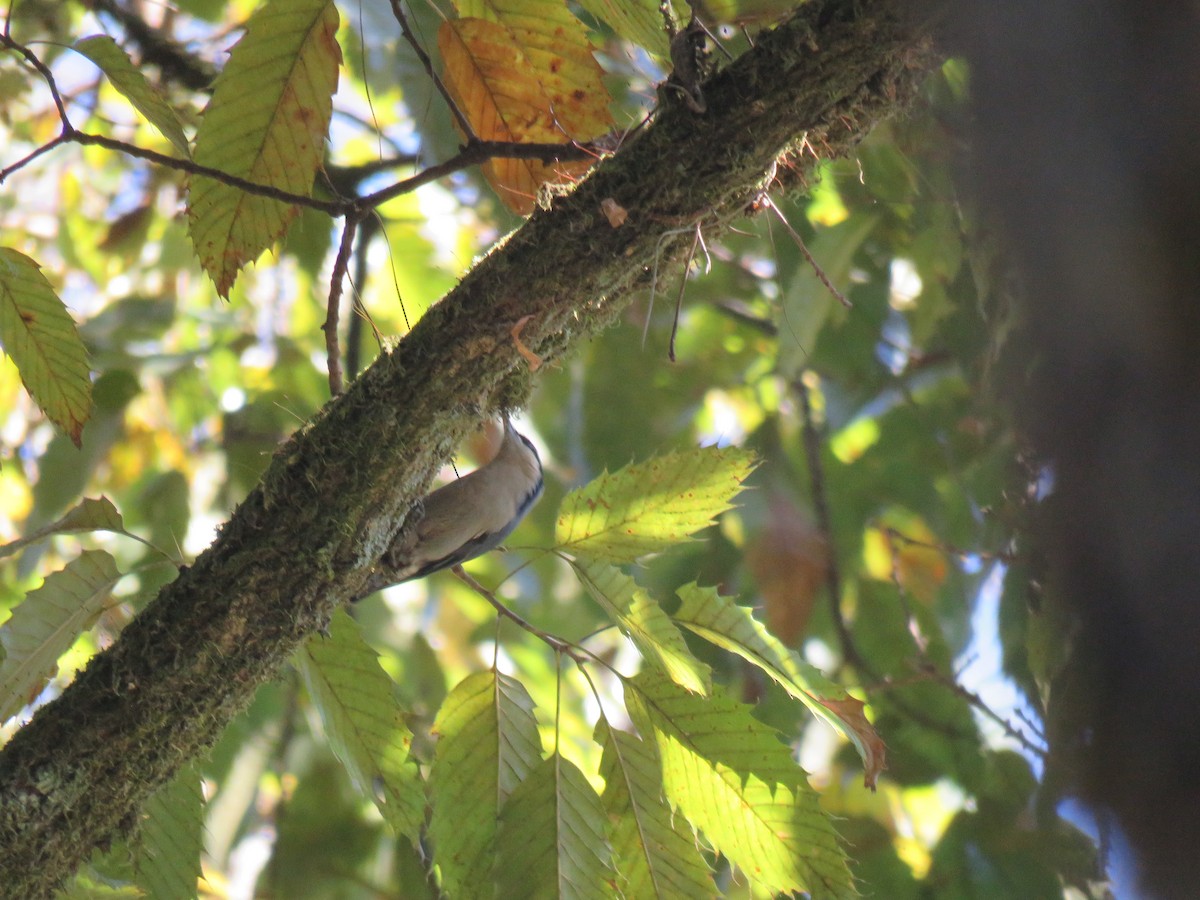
{"x":914,"y":627}
{"x":687,"y":266}
{"x":475,"y":153}
{"x":391,"y":258}
{"x":333,"y":306}
{"x":73,"y":135}
{"x":21,"y":163}
{"x":816,"y":267}
{"x":43,"y":70}
{"x":658,"y":245}
{"x":367,"y":229}
{"x":159,"y":49}
{"x":558,"y":645}
{"x":332,"y":207}
{"x":1034,"y":727}
{"x":976,"y":701}
{"x":409,"y":36}
{"x":946,"y":548}
{"x":742,"y":314}
{"x":833,"y":576}
{"x":812,"y":451}
{"x":916,"y":714}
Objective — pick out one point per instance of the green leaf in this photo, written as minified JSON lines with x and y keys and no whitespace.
{"x":643,"y":621}
{"x":551,"y":841}
{"x":364,"y":722}
{"x":87,"y":515}
{"x":639,"y":21}
{"x":133,"y":86}
{"x":655,"y":854}
{"x":40,"y":337}
{"x":108,"y":875}
{"x":489,"y":743}
{"x":733,"y":779}
{"x":648,"y":507}
{"x":807,"y":304}
{"x":47,"y":623}
{"x":266,"y":122}
{"x":172,"y":837}
{"x":733,"y":628}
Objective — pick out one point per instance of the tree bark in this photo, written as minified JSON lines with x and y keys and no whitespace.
{"x":1088,"y":123}
{"x":307,"y":536}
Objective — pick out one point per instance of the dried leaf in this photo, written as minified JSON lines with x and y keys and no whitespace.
{"x":536,"y":82}
{"x":614,"y":212}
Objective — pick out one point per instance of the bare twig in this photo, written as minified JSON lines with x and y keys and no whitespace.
{"x":976,"y":701}
{"x":159,"y":49}
{"x":42,"y":69}
{"x":478,"y":152}
{"x":739,"y":312}
{"x":332,"y":207}
{"x":914,"y":627}
{"x":558,"y":645}
{"x":658,"y":245}
{"x":332,"y":306}
{"x":70,"y":134}
{"x":925,"y":669}
{"x":833,"y":575}
{"x":816,"y":267}
{"x":914,"y":713}
{"x":367,"y":230}
{"x":475,"y":153}
{"x":946,"y":548}
{"x":21,"y":163}
{"x":1034,"y":727}
{"x":409,"y":36}
{"x":687,"y":267}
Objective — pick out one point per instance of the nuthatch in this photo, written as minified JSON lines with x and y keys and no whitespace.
{"x":468,"y":517}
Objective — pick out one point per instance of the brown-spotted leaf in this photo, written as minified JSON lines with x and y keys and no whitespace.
{"x":266,"y":123}
{"x":39,"y":336}
{"x":526,"y":79}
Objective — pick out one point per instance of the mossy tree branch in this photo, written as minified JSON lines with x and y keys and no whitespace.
{"x":306,"y":538}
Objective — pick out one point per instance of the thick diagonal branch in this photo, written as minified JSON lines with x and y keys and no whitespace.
{"x":306,"y":538}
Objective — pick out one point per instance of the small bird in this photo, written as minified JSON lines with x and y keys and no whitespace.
{"x":468,"y":517}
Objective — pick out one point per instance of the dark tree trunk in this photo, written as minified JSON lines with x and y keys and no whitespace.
{"x":1088,"y":137}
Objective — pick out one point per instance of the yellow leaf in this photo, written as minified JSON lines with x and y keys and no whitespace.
{"x":901,"y":548}
{"x":40,"y":337}
{"x":533,"y":82}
